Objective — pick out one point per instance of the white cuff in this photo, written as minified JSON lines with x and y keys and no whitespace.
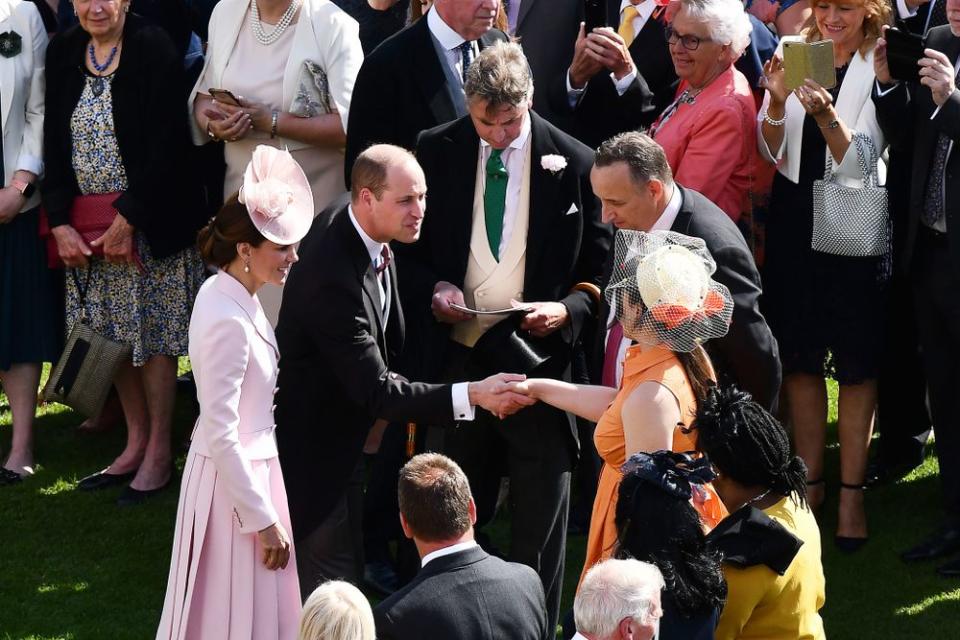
{"x":33,"y":164}
{"x":935,"y":112}
{"x":462,"y":410}
{"x":883,"y":92}
{"x":573,"y":95}
{"x":623,"y":83}
{"x":903,"y":11}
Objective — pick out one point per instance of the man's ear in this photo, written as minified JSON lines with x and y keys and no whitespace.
{"x":655,"y":188}
{"x":472,"y":510}
{"x":625,"y":629}
{"x":407,"y":531}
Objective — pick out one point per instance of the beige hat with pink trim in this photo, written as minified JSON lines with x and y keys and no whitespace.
{"x":277,"y":195}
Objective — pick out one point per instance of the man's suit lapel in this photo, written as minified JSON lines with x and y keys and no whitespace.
{"x":396,"y":328}
{"x":682,"y":222}
{"x":463,"y":149}
{"x":430,"y":75}
{"x":545,"y":192}
{"x":364,"y":270}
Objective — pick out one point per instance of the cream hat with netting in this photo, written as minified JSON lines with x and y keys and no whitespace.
{"x":662,"y":292}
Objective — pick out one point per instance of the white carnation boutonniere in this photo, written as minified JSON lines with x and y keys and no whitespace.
{"x":553,"y":163}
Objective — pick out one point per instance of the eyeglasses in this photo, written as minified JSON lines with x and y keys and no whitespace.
{"x":690,"y":43}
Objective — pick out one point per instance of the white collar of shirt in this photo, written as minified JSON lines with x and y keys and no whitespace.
{"x":579,"y":636}
{"x":518,"y":142}
{"x":669,"y":215}
{"x":373,"y":247}
{"x":644,"y":11}
{"x":445,"y":35}
{"x":446,"y":551}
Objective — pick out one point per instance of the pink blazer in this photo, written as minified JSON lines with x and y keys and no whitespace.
{"x":234,"y":356}
{"x":711,"y":145}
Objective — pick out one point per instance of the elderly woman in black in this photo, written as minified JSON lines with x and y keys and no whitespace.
{"x":115,"y":139}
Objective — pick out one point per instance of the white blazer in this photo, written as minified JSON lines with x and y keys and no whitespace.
{"x":234,"y":356}
{"x":21,"y":93}
{"x":323,"y":33}
{"x":854,"y":107}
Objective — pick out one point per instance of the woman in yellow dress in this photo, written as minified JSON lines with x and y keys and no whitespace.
{"x":663,"y":297}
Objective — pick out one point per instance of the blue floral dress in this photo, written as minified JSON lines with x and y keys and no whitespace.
{"x":148,"y":309}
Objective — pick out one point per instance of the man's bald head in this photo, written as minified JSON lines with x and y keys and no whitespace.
{"x":371,"y":168}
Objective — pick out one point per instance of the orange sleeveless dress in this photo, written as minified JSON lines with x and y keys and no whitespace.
{"x":657,"y":365}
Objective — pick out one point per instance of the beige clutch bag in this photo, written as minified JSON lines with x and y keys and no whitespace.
{"x":313,"y":92}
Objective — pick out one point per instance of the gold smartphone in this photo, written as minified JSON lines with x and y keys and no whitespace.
{"x":814,"y":60}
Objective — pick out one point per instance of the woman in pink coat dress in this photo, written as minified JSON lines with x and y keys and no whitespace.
{"x":232,"y":574}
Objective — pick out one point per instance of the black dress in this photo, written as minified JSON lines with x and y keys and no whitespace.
{"x":825,"y":310}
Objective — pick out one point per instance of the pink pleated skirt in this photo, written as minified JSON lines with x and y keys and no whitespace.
{"x":218,"y":588}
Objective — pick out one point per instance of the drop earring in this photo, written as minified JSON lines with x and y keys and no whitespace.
{"x":246,"y":267}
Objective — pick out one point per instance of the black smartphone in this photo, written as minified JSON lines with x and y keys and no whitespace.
{"x":904,"y":50}
{"x":594,"y":14}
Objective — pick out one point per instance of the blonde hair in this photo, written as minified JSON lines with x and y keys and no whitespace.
{"x":336,"y":610}
{"x":878,"y":14}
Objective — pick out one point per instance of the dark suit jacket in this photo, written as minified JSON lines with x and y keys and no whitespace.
{"x":904,"y":116}
{"x":601,"y":112}
{"x":562,"y":249}
{"x":748,"y":355}
{"x":163,"y":197}
{"x":334,"y":379}
{"x":400,"y":91}
{"x":467,"y":595}
{"x":547,"y":31}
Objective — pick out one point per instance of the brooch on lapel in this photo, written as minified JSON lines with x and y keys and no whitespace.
{"x":10,"y":44}
{"x":553,"y":163}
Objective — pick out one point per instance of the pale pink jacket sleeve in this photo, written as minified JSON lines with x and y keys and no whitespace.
{"x":224,"y":353}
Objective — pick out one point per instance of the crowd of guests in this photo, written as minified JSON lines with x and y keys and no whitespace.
{"x":618,"y":280}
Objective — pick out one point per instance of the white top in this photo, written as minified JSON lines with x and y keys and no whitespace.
{"x":446,"y":551}
{"x":460,"y":396}
{"x":449,"y":40}
{"x":663,"y":223}
{"x":512,"y":157}
{"x":579,"y":636}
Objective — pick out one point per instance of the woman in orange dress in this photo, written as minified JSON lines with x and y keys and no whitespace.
{"x":663,"y":297}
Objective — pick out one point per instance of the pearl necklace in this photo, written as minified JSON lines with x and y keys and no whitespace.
{"x":269,"y":38}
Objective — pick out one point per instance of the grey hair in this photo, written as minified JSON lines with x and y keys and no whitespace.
{"x":336,"y":610}
{"x":726,"y":19}
{"x":616,"y":589}
{"x":641,"y":153}
{"x":501,"y":76}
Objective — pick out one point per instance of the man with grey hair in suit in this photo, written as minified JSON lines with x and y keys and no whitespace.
{"x":619,"y":600}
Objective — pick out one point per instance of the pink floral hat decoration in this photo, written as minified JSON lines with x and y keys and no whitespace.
{"x":277,"y":195}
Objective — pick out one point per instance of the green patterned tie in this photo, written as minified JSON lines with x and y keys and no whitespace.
{"x":495,"y":200}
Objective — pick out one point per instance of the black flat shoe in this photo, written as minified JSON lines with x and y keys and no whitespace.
{"x":849,"y":544}
{"x":131,"y":497}
{"x":102,"y":480}
{"x":942,"y":543}
{"x":950,"y":569}
{"x":881,"y":472}
{"x":8,"y":477}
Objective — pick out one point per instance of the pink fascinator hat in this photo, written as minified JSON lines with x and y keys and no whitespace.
{"x":277,"y":195}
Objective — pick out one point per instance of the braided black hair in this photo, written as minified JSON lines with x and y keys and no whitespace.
{"x":665,"y":530}
{"x":747,"y":444}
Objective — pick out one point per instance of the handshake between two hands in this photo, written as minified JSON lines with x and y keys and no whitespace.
{"x":502,"y":394}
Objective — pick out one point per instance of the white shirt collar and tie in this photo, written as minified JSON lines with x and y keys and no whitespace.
{"x":450,"y":42}
{"x":663,"y":223}
{"x":447,"y":551}
{"x":513,"y":159}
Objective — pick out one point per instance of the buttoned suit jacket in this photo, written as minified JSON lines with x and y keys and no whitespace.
{"x":904,"y":115}
{"x":335,"y":379}
{"x":748,"y":355}
{"x":468,"y":595}
{"x":566,"y":241}
{"x":601,"y":112}
{"x":400,"y":91}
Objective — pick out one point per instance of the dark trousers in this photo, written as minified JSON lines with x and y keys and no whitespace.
{"x":533,"y":449}
{"x":903,"y":420}
{"x":334,"y":550}
{"x":936,"y":284}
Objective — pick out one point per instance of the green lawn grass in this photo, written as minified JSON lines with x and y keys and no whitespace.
{"x":74,"y":566}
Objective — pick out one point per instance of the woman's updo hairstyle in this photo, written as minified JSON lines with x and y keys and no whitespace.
{"x":218,"y":240}
{"x":747,"y":444}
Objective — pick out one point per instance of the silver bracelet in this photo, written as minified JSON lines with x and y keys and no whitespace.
{"x":775,"y":123}
{"x":274,"y":120}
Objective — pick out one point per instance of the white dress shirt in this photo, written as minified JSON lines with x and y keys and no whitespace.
{"x":449,"y":40}
{"x":513,"y":157}
{"x":644,"y":11}
{"x":461,"y":397}
{"x":663,"y":223}
{"x":446,"y":551}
